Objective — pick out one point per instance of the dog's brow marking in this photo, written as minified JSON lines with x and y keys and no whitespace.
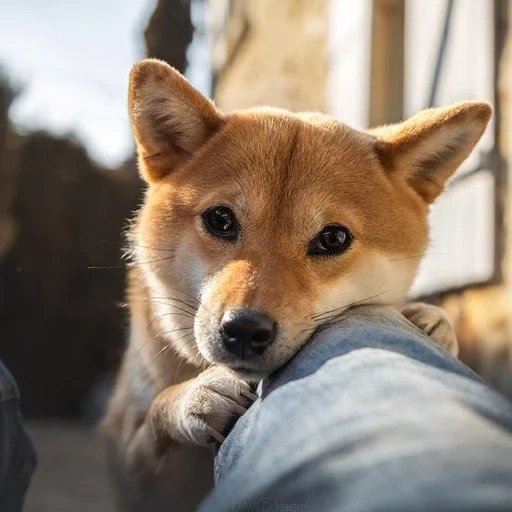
{"x":287,"y":168}
{"x":291,"y":154}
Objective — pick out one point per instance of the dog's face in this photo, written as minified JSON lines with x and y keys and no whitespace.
{"x":264,"y":224}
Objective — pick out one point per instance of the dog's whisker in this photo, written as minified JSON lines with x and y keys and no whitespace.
{"x":140,"y":263}
{"x":178,"y":368}
{"x":123,"y":244}
{"x":159,"y":317}
{"x":319,"y":316}
{"x":413,"y":257}
{"x":154,"y":301}
{"x":192,"y":314}
{"x":180,"y":329}
{"x":170,"y":344}
{"x":128,"y":264}
{"x":335,"y":320}
{"x":150,"y":301}
{"x":186,"y":314}
{"x":169,"y":332}
{"x":190,"y":296}
{"x":197,"y":301}
{"x":195,"y":307}
{"x":106,"y":267}
{"x":163,"y":350}
{"x":419,"y":256}
{"x":178,"y":300}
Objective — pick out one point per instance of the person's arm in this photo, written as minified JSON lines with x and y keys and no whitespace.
{"x":370,"y":416}
{"x":17,"y":454}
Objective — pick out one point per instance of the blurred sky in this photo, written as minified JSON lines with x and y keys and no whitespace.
{"x":72,"y":60}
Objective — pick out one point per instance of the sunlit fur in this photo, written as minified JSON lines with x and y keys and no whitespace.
{"x":285,"y":176}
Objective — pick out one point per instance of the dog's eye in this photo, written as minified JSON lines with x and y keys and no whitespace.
{"x":220,"y":222}
{"x":333,"y":239}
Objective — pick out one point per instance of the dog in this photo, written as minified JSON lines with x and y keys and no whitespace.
{"x":257,"y":228}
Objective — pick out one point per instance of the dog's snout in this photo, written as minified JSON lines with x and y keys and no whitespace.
{"x":247,"y":332}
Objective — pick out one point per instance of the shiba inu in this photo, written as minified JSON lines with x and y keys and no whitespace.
{"x":258,"y":227}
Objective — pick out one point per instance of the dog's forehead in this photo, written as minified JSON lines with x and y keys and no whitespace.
{"x":301,"y":151}
{"x":295,"y":171}
{"x":306,"y":169}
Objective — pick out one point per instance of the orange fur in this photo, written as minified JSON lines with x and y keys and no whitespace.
{"x":285,"y":176}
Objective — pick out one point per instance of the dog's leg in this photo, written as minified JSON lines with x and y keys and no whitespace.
{"x":164,"y":448}
{"x":433,"y":321}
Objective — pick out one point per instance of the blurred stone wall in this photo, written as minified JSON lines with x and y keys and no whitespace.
{"x":273,"y":53}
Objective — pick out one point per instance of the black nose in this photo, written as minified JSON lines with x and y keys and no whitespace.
{"x":247,"y":332}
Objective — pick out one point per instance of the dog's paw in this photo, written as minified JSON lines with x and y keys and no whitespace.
{"x":434,"y":322}
{"x":212,"y":403}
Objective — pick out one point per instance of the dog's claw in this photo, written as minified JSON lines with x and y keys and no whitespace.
{"x":249,"y":395}
{"x":434,"y":322}
{"x":240,"y":409}
{"x":214,"y":400}
{"x":216,"y":435}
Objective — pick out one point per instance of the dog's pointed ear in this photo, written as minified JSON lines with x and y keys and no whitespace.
{"x":427,"y":149}
{"x":170,"y":119}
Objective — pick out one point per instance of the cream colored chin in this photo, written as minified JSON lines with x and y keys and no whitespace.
{"x":379,"y":279}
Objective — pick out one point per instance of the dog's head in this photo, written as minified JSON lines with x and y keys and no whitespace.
{"x":261,"y":225}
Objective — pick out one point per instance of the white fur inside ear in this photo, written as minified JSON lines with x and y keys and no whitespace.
{"x":427,"y":149}
{"x":440,"y":148}
{"x":165,"y":116}
{"x":170,"y":119}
